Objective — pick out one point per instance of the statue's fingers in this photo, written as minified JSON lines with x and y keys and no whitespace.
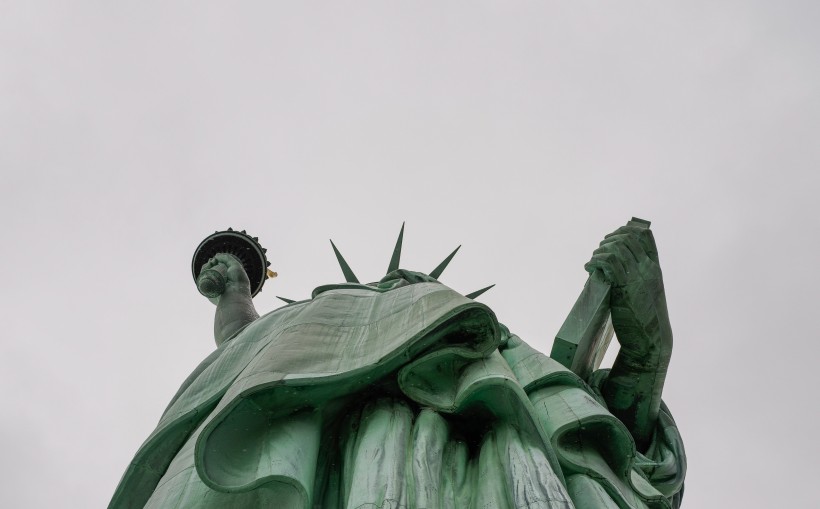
{"x":622,"y":254}
{"x":644,"y":236}
{"x":634,"y":248}
{"x":610,"y":265}
{"x":235,"y":271}
{"x":605,"y":249}
{"x":207,"y":265}
{"x":626,"y":229}
{"x":626,"y":256}
{"x":600,"y":262}
{"x":228,"y":259}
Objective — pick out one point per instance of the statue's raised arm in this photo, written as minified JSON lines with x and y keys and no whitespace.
{"x":628,"y":259}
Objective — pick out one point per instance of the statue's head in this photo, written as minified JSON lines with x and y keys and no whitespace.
{"x":406,"y":277}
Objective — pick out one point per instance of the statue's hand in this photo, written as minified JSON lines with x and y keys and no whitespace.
{"x":626,"y":256}
{"x":233,"y":279}
{"x":628,"y":259}
{"x":224,"y":281}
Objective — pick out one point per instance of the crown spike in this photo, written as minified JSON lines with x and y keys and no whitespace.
{"x":350,"y":277}
{"x":394,"y":260}
{"x":443,"y":265}
{"x":478,"y":292}
{"x":287,"y":301}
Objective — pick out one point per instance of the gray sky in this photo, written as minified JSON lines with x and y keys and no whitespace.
{"x":524,"y":131}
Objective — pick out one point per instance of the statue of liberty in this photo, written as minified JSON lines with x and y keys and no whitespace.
{"x":404,"y":393}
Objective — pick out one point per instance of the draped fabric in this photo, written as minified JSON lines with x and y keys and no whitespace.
{"x":393,"y":397}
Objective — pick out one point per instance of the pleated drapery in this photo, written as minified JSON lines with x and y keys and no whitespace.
{"x":360,"y":398}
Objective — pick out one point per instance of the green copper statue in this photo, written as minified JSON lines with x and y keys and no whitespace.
{"x":404,"y":393}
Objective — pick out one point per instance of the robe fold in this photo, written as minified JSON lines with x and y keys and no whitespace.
{"x":397,"y":397}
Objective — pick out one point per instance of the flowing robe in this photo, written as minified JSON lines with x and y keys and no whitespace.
{"x":393,"y":397}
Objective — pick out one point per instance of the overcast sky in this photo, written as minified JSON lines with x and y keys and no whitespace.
{"x":524,"y":131}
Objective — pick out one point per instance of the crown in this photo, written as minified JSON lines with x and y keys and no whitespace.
{"x":393,"y":266}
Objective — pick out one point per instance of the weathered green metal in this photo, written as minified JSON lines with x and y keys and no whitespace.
{"x":237,"y":243}
{"x":628,"y":258}
{"x":435,"y":273}
{"x":584,"y":337}
{"x":396,"y":258}
{"x":406,"y":394}
{"x":350,"y":277}
{"x":477,"y":293}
